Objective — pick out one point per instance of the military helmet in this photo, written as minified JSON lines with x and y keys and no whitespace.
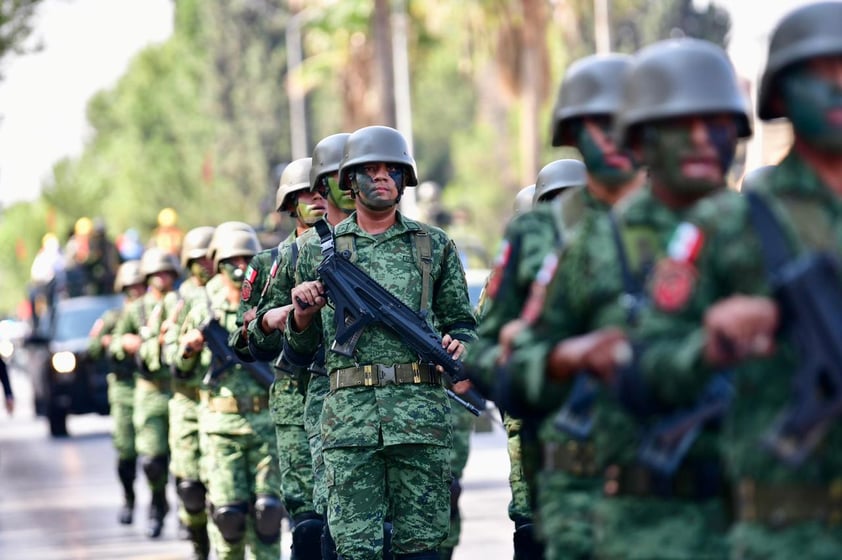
{"x":680,"y":77}
{"x":195,"y":244}
{"x":327,"y":156}
{"x":591,"y":86}
{"x":222,"y":230}
{"x":295,"y":178}
{"x":128,"y":274}
{"x":755,"y":177}
{"x":810,"y":31}
{"x":558,"y":175}
{"x":237,"y":243}
{"x":374,"y":144}
{"x":523,"y":199}
{"x":155,"y":260}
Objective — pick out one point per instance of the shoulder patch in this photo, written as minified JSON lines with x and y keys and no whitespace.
{"x":500,"y":263}
{"x":245,"y":291}
{"x":672,"y":284}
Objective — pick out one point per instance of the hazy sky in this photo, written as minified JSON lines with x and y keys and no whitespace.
{"x":87,"y":44}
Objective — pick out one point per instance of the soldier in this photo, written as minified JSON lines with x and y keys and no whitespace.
{"x":529,"y":238}
{"x":185,"y":448}
{"x":237,"y":432}
{"x":685,"y":130}
{"x":137,"y":334}
{"x":265,"y":331}
{"x":386,"y":447}
{"x":589,"y":96}
{"x":286,"y":396}
{"x":785,"y":476}
{"x":121,"y":383}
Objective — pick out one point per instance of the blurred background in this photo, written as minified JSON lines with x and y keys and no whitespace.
{"x":140,"y":119}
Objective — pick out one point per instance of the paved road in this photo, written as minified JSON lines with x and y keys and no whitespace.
{"x":59,"y":497}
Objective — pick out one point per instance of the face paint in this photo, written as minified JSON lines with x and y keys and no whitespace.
{"x":233,"y":272}
{"x":161,"y":281}
{"x":681,"y":163}
{"x":613,"y":171}
{"x":200,"y":268}
{"x":814,"y":106}
{"x":341,"y":198}
{"x":309,"y":208}
{"x":371,"y":193}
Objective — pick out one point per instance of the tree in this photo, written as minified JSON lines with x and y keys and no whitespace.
{"x":15,"y":27}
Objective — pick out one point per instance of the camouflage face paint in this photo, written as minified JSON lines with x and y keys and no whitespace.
{"x":613,"y":172}
{"x":680,"y":163}
{"x":201,"y":269}
{"x":309,"y":207}
{"x":341,"y":198}
{"x":233,"y":272}
{"x":814,"y":106}
{"x":371,"y":193}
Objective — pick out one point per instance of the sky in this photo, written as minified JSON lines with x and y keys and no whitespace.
{"x":88,"y":44}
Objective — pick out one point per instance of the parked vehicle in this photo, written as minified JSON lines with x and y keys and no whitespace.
{"x":65,"y":379}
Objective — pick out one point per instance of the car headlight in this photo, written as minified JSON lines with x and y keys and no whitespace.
{"x":6,"y":349}
{"x":64,"y":362}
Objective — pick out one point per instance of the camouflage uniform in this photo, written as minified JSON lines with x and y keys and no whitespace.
{"x":462,"y":424}
{"x":392,"y":434}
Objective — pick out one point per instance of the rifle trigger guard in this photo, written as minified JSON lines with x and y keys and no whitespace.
{"x":386,"y":375}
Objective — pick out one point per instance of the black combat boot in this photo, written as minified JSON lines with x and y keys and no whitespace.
{"x":126,"y":469}
{"x":199,"y":539}
{"x":157,"y":511}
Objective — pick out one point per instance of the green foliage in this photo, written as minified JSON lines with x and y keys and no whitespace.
{"x":15,"y":26}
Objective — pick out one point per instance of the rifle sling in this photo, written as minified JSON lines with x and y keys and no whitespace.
{"x":776,"y":250}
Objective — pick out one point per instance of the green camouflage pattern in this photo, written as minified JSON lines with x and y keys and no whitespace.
{"x":583,"y":296}
{"x":317,"y":390}
{"x":731,"y":262}
{"x":520,"y":506}
{"x":400,"y":429}
{"x":463,"y":425}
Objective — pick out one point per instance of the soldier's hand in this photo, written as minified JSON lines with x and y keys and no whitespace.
{"x":740,"y":327}
{"x":507,"y":337}
{"x":193,"y":341}
{"x":248,"y":317}
{"x":462,"y":387}
{"x":598,"y":353}
{"x":131,"y":343}
{"x":308,"y":299}
{"x":276,"y":319}
{"x":106,"y":340}
{"x":453,"y":346}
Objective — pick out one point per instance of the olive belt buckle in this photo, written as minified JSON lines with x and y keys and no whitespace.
{"x":386,"y":375}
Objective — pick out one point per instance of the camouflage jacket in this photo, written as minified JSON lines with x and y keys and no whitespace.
{"x":142,"y":317}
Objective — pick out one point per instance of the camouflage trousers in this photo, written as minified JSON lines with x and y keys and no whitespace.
{"x":410,"y":481}
{"x":565,"y":514}
{"x":151,"y":423}
{"x":816,"y":541}
{"x":318,"y":387}
{"x":121,"y":401}
{"x":185,"y":451}
{"x":638,"y":528}
{"x":287,"y":408}
{"x":463,"y":425}
{"x":241,"y":466}
{"x":520,"y":506}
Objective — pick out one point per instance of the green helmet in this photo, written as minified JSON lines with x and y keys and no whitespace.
{"x":523,"y":199}
{"x":591,"y":86}
{"x":155,"y":260}
{"x":676,"y":78}
{"x":756,"y":177}
{"x":810,"y":31}
{"x":237,"y":243}
{"x":224,"y":229}
{"x":128,"y":274}
{"x":327,"y":156}
{"x":558,"y":175}
{"x":374,"y":144}
{"x":195,"y":244}
{"x":295,"y":178}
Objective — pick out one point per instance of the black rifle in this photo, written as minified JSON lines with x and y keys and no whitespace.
{"x":216,"y":339}
{"x":575,"y":418}
{"x":807,"y":289}
{"x":359,"y":301}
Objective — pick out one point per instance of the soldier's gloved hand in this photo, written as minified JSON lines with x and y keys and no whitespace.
{"x":131,"y":343}
{"x":599,"y":353}
{"x":740,"y":327}
{"x":307,"y":299}
{"x":276,"y":319}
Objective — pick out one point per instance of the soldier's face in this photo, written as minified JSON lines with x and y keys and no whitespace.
{"x":234,"y":269}
{"x":135,"y":291}
{"x":604,"y":160}
{"x":162,"y":281}
{"x":310,"y":207}
{"x":690,"y":155}
{"x":812,"y":97}
{"x":201,"y":268}
{"x":376,"y":185}
{"x":341,"y":198}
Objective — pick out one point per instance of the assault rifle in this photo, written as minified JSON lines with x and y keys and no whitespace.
{"x":807,"y":289}
{"x":359,"y":301}
{"x":575,"y":418}
{"x":216,"y":339}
